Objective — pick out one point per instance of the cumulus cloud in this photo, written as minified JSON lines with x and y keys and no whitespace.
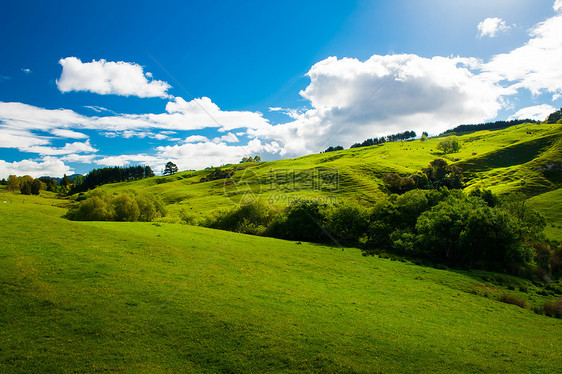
{"x":536,"y":65}
{"x":536,"y":112}
{"x":491,"y":27}
{"x":48,"y":166}
{"x":109,"y":77}
{"x":203,"y":154}
{"x":557,"y":6}
{"x":228,"y":138}
{"x":352,"y":100}
{"x":196,"y":139}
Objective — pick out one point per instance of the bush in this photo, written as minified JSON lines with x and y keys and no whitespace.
{"x":512,"y":299}
{"x":126,"y":208}
{"x":553,"y":308}
{"x":347,"y":223}
{"x":303,"y":221}
{"x":101,"y":207}
{"x":252,"y":218}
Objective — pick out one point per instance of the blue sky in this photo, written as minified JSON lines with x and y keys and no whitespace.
{"x":96,"y":83}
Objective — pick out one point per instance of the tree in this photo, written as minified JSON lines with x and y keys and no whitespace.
{"x":36,"y":186}
{"x":13,"y":183}
{"x":257,"y":159}
{"x":25,"y":184}
{"x":424,"y":136}
{"x":148,"y":172}
{"x":65,"y":182}
{"x":554,"y":117}
{"x":449,"y":145}
{"x":170,"y":168}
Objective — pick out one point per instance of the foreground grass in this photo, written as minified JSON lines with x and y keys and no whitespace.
{"x":141,"y":297}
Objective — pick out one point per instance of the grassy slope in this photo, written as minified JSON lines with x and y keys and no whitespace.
{"x":523,"y":158}
{"x":158,"y":297}
{"x":550,"y":205}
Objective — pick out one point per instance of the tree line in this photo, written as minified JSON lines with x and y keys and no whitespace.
{"x":98,"y":177}
{"x":497,"y":125}
{"x":389,"y":138}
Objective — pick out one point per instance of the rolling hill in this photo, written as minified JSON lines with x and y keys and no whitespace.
{"x":165,"y":297}
{"x":525,"y":158}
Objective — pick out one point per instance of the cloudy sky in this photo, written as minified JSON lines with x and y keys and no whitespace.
{"x":91,"y":84}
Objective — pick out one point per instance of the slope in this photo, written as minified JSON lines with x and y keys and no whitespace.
{"x":523,"y":158}
{"x":142,"y":297}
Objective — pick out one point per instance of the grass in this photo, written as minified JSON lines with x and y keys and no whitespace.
{"x":154,"y":297}
{"x":523,"y":158}
{"x":550,"y":205}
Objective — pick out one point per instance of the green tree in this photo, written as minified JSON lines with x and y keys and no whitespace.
{"x":170,"y":168}
{"x":554,"y":117}
{"x":36,"y":186}
{"x":126,"y":208}
{"x":25,"y":184}
{"x":449,"y":145}
{"x":13,"y":183}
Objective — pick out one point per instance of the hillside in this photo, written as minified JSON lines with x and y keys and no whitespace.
{"x":523,"y":158}
{"x":153,"y":297}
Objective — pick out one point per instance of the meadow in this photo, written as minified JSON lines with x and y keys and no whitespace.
{"x":152,"y":297}
{"x":168,"y":297}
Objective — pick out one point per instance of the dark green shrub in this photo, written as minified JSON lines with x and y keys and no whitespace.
{"x":252,"y":218}
{"x":553,"y":308}
{"x":304,"y":221}
{"x":512,"y":299}
{"x":347,"y":224}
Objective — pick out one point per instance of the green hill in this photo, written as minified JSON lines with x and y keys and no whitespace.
{"x":152,"y":297}
{"x":524,"y":158}
{"x":163,"y":297}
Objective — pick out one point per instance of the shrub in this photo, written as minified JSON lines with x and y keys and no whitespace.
{"x":101,"y":207}
{"x":347,"y":223}
{"x":304,"y":221}
{"x":97,"y":207}
{"x":553,"y":308}
{"x":512,"y":299}
{"x":126,"y":208}
{"x":252,"y":218}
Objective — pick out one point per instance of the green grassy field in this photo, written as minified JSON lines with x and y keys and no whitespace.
{"x":156,"y":297}
{"x":524,"y":158}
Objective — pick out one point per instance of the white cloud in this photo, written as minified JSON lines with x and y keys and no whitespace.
{"x":228,"y":138}
{"x":69,"y":148}
{"x":536,"y":112}
{"x":536,"y":65}
{"x":196,"y":139}
{"x":63,"y":133}
{"x":491,"y":27}
{"x":83,"y":159}
{"x":353,"y":100}
{"x":557,"y":5}
{"x":20,"y":139}
{"x":19,"y":124}
{"x":108,"y":77}
{"x":204,"y":154}
{"x":98,"y":109}
{"x":123,"y":160}
{"x":27,"y":71}
{"x":48,"y":166}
